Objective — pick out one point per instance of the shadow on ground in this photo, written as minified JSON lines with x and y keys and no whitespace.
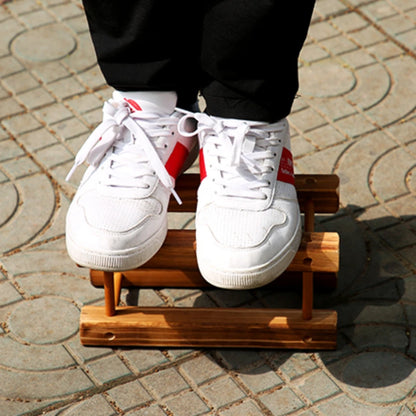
{"x":375,"y":349}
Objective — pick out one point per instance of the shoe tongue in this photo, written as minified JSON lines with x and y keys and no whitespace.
{"x":160,"y":102}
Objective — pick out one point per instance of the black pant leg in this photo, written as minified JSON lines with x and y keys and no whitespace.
{"x":148,"y":45}
{"x":250,"y":52}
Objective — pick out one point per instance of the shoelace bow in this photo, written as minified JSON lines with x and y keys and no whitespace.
{"x":141,"y":125}
{"x":241,"y":154}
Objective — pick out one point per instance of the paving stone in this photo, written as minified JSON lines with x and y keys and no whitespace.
{"x":63,"y":285}
{"x":398,"y":102}
{"x":107,"y":369}
{"x":8,"y":294}
{"x":65,"y":11}
{"x":376,"y":377}
{"x":318,"y":386}
{"x":85,"y":103}
{"x":93,"y":405}
{"x":34,"y":213}
{"x":11,"y":407}
{"x":201,"y":369}
{"x":21,"y":124}
{"x":325,"y":136}
{"x":188,"y":404}
{"x":367,"y":36}
{"x":144,"y":359}
{"x":45,"y":50}
{"x":36,"y":18}
{"x":26,"y":357}
{"x":165,"y":382}
{"x":326,"y":79}
{"x":374,"y":76}
{"x":398,"y":236}
{"x":54,"y":113}
{"x":329,"y":8}
{"x":354,"y":167}
{"x":260,"y":379}
{"x":85,"y":353}
{"x":385,"y":50}
{"x":129,"y":395}
{"x":246,"y":408}
{"x":20,"y":82}
{"x":65,"y":88}
{"x":70,"y":128}
{"x":398,"y":162}
{"x":344,"y":406}
{"x":297,"y":365}
{"x":282,"y":402}
{"x":10,"y":107}
{"x":240,"y":359}
{"x":221,"y":392}
{"x":52,"y":320}
{"x":54,"y":155}
{"x":43,"y":385}
{"x":10,"y":29}
{"x":153,"y":410}
{"x":365,"y":336}
{"x":35,"y":99}
{"x":83,"y":58}
{"x":349,"y":22}
{"x":49,"y":72}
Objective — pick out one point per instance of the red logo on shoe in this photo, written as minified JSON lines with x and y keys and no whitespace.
{"x":133,"y":105}
{"x":286,"y":171}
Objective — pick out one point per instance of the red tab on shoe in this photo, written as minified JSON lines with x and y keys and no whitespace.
{"x":286,"y":172}
{"x":176,"y":160}
{"x":202,"y":169}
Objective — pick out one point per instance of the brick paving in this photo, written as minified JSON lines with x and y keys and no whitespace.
{"x":355,"y":116}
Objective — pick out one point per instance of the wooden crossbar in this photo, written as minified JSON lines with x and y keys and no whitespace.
{"x":317,"y":261}
{"x":208,"y":327}
{"x":175,"y":264}
{"x":322,"y":189}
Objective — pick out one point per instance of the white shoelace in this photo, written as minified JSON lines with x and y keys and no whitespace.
{"x":239,"y":151}
{"x":131,"y":161}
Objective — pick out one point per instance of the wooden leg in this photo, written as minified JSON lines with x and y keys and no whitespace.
{"x":110,"y":307}
{"x":307,"y":277}
{"x":307,"y":295}
{"x":118,"y":277}
{"x":310,"y":216}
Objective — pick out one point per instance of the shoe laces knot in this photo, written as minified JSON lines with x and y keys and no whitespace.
{"x":118,"y":117}
{"x":241,"y":152}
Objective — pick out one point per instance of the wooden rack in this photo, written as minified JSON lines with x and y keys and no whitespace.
{"x":316,"y":262}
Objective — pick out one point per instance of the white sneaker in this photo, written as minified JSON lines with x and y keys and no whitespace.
{"x":248,"y":225}
{"x":118,"y":217}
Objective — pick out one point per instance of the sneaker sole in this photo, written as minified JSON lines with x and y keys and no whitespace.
{"x":121,"y":260}
{"x":255,"y":277}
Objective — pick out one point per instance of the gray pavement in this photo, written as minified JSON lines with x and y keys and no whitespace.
{"x":355,"y":116}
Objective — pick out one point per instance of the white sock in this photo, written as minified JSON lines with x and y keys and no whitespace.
{"x":162,"y":101}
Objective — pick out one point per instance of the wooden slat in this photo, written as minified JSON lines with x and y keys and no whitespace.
{"x":323,"y":189}
{"x":158,"y":278}
{"x":208,"y":327}
{"x":175,"y":264}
